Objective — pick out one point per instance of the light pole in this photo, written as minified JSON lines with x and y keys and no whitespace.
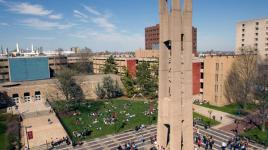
{"x":26,"y":127}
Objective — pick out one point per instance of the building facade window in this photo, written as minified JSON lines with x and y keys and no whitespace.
{"x":216,"y":77}
{"x":217,"y":66}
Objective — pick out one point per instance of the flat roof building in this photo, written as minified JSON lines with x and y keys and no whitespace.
{"x":152,"y":38}
{"x":253,"y":33}
{"x":216,"y":70}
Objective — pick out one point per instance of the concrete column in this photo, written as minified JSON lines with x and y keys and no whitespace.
{"x":175,"y":86}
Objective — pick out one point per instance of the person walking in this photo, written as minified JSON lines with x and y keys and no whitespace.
{"x":211,"y":142}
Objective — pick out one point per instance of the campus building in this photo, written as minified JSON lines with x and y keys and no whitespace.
{"x":123,"y":63}
{"x":215,"y":72}
{"x":31,"y":65}
{"x":253,"y":33}
{"x":42,"y":90}
{"x":152,"y":38}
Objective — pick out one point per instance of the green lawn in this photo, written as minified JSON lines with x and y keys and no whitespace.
{"x":231,"y":108}
{"x":257,"y":135}
{"x":206,"y":120}
{"x":120,"y":108}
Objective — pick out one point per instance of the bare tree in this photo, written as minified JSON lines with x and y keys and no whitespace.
{"x":261,"y":95}
{"x":241,"y":79}
{"x":70,"y":89}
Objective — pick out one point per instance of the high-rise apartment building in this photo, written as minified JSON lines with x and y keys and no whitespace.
{"x":253,"y":33}
{"x":152,"y":38}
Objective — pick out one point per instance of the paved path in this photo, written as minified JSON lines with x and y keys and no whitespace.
{"x":111,"y":142}
{"x":35,"y":116}
{"x":226,"y":118}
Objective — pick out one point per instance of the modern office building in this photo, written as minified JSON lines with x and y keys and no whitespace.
{"x":152,"y":38}
{"x":253,"y":33}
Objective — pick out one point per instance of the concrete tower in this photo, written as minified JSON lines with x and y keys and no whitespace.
{"x":175,"y":120}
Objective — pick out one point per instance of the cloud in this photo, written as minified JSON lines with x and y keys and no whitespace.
{"x":30,"y":9}
{"x":104,"y":23}
{"x":79,"y":14}
{"x":4,"y":24}
{"x":39,"y":38}
{"x":55,"y":16}
{"x":91,"y":10}
{"x":45,"y":25}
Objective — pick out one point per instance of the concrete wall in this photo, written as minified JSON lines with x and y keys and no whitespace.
{"x":49,"y":89}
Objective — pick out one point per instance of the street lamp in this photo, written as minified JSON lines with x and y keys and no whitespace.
{"x":26,"y":127}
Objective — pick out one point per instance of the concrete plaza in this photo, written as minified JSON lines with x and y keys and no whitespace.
{"x":45,"y":126}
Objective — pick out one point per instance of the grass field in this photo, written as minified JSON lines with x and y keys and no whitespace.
{"x":231,"y":108}
{"x":206,"y":120}
{"x":257,"y":135}
{"x":122,"y":109}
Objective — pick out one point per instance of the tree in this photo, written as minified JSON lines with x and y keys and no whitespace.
{"x":5,"y":100}
{"x":146,"y":82}
{"x":241,"y":79}
{"x":70,"y":89}
{"x":129,"y":83}
{"x":110,"y":66}
{"x":261,"y":95}
{"x":108,"y":89}
{"x":83,"y":66}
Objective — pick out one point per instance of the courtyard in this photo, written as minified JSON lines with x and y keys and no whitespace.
{"x":94,"y":119}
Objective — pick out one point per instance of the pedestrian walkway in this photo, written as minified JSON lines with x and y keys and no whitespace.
{"x":222,"y":117}
{"x":113,"y":141}
{"x":41,"y":124}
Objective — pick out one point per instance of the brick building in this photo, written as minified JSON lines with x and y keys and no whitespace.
{"x":152,"y":38}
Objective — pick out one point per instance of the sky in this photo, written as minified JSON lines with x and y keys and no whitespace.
{"x":115,"y":25}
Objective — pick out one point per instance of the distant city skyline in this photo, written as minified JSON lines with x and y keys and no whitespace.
{"x":115,"y":25}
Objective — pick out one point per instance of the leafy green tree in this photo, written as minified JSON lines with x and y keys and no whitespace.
{"x":110,"y":66}
{"x":146,"y":82}
{"x":129,"y":83}
{"x":108,"y":89}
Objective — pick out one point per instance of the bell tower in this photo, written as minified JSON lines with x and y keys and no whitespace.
{"x":175,"y":120}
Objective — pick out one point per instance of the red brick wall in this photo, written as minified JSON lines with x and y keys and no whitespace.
{"x":196,"y":78}
{"x":131,"y":67}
